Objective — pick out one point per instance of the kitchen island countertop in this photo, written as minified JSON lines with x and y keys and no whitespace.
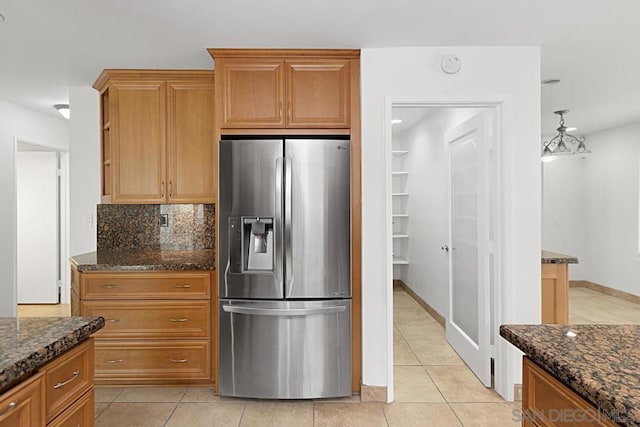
{"x":119,"y":260}
{"x":549,"y":257}
{"x":599,"y":362}
{"x":28,"y":343}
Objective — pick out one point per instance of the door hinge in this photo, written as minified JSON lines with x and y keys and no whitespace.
{"x":492,"y":351}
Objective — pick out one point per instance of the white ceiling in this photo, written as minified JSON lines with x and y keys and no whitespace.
{"x":47,"y":46}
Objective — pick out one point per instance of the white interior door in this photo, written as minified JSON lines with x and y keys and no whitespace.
{"x":37,"y":192}
{"x":469,"y":322}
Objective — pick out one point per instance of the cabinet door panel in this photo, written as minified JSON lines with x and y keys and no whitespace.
{"x":252,"y":93}
{"x":318,"y":93}
{"x":191,"y":142}
{"x":138,"y":141}
{"x":23,"y":405}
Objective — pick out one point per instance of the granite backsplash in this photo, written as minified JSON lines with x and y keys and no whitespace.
{"x":137,"y":227}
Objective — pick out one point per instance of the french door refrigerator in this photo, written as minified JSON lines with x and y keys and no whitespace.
{"x":285,"y":268}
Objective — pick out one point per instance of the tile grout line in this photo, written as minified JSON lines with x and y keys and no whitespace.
{"x":171,"y":414}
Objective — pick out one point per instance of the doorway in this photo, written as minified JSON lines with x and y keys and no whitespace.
{"x":41,"y":226}
{"x":443,"y":202}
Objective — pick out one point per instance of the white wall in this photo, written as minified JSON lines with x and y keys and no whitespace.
{"x":84,"y":165}
{"x":611,"y":213}
{"x":590,"y":209}
{"x":28,"y":126}
{"x":563,"y":212}
{"x":510,"y":75}
{"x":428,"y":273}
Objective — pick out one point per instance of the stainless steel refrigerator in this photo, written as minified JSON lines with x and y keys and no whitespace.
{"x":285,"y":268}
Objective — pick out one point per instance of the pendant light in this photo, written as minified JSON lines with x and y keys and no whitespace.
{"x":557,"y":146}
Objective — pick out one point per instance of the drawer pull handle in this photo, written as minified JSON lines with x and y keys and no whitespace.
{"x":64,"y":383}
{"x":11,"y":406}
{"x":178,"y":360}
{"x":114,"y":320}
{"x":112,"y":361}
{"x":184,"y":319}
{"x":187,"y":286}
{"x":110,"y":286}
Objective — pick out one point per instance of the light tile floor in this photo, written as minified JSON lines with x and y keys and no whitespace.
{"x":433,"y":387}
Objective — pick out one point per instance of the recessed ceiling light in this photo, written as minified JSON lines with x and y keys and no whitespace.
{"x":63,"y":109}
{"x":571,"y":129}
{"x":396,"y":121}
{"x":547,"y":82}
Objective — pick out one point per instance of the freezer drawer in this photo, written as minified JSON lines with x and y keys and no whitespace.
{"x":285,"y":349}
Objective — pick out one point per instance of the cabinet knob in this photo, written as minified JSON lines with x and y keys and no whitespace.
{"x":11,"y":406}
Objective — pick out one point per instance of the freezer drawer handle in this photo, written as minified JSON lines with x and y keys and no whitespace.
{"x":283,"y":311}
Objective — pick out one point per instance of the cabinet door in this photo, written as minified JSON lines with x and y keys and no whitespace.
{"x":138,"y":141}
{"x":23,"y":405}
{"x":190,"y":142}
{"x":318,"y":93}
{"x":252,"y":93}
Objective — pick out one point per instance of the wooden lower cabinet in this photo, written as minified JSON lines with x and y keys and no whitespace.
{"x":23,"y":405}
{"x":159,"y":326}
{"x":60,"y":394}
{"x":546,"y":402}
{"x":555,"y":293}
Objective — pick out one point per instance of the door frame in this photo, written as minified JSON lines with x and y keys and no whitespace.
{"x":64,"y":281}
{"x":502,"y":363}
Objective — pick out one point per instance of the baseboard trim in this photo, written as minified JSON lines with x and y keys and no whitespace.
{"x":605,"y":290}
{"x":373,"y":393}
{"x":400,"y":284}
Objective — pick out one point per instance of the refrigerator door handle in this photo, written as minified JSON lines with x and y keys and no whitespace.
{"x":283,"y":311}
{"x":288,"y":250}
{"x":278,"y":221}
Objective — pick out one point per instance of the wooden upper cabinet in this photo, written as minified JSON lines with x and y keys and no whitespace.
{"x":190,"y":142}
{"x":252,"y":94}
{"x":284,"y":88}
{"x":318,"y":93}
{"x":138,"y":141}
{"x":158,"y":132}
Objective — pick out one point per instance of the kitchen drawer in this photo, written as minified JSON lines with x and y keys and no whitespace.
{"x":151,"y":319}
{"x":81,"y":413}
{"x":155,"y":285}
{"x":68,"y":377}
{"x":23,"y":405}
{"x":152,"y":361}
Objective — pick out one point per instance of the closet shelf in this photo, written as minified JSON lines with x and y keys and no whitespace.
{"x":399,"y":194}
{"x":399,"y":215}
{"x":401,"y":236}
{"x":399,"y":261}
{"x":398,"y":153}
{"x":399,"y":173}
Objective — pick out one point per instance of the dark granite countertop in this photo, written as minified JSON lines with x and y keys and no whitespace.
{"x":145,"y":260}
{"x":600,"y":362}
{"x":27,"y":343}
{"x":549,"y":257}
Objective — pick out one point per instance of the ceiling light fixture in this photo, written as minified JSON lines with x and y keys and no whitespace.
{"x":557,"y":146}
{"x":396,"y":121}
{"x":63,"y":109}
